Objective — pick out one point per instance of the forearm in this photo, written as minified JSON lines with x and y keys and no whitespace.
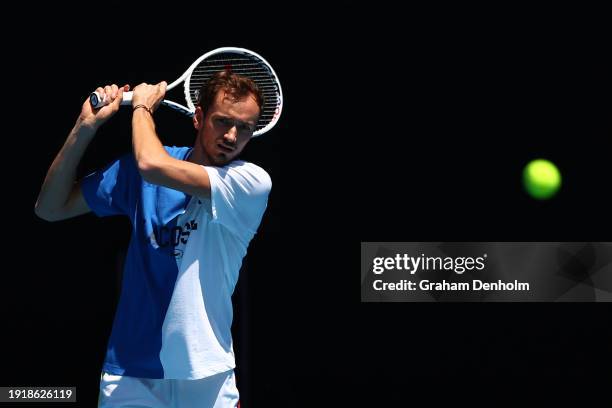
{"x":156,"y":166}
{"x":149,"y":152}
{"x":61,"y":176}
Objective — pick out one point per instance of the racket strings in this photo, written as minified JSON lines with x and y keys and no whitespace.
{"x":251,"y":68}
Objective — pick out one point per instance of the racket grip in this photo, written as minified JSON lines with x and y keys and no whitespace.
{"x":97,"y":100}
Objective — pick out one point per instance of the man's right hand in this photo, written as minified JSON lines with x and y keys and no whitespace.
{"x":93,"y":118}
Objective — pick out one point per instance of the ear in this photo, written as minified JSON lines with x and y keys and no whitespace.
{"x":198,"y":118}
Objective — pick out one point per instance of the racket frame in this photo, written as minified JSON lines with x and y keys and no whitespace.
{"x":186,"y":79}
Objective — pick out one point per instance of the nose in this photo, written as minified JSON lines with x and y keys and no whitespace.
{"x":231,"y":135}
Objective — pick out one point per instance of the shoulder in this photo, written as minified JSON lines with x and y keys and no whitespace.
{"x":250,"y":170}
{"x":247,"y":176}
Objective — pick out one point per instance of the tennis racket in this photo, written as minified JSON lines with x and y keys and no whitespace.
{"x":240,"y":61}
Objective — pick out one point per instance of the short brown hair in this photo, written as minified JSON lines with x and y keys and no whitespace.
{"x":237,"y":86}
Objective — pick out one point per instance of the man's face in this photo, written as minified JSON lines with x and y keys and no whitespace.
{"x":226,"y":128}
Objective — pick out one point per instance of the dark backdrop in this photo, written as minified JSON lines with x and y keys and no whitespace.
{"x":397,"y":126}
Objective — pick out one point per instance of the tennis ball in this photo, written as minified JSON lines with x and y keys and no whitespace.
{"x":541,"y":179}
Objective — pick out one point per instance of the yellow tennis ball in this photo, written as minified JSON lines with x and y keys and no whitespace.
{"x":541,"y":179}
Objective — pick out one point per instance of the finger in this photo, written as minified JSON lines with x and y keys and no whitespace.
{"x":117,"y":101}
{"x":107,"y":95}
{"x":126,"y":87}
{"x":114,"y":90}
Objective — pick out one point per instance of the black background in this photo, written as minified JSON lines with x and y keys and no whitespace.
{"x":397,"y":126}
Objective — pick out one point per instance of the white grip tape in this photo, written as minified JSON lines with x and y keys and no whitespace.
{"x":98,"y":101}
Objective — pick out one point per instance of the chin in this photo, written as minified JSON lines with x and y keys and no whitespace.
{"x":221,"y":159}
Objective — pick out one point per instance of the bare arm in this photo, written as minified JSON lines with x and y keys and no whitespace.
{"x":60,"y":196}
{"x":154,"y":164}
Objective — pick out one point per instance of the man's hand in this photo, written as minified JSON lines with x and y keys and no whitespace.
{"x":113,"y":96}
{"x":149,"y":95}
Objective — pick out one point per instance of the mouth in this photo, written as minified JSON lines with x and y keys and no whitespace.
{"x":225,"y":149}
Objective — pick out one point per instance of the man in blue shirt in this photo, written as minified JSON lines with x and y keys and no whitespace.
{"x":193,"y":213}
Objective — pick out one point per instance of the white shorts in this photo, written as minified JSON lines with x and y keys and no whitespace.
{"x":217,"y":391}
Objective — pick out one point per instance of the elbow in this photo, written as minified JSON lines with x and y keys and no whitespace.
{"x":40,"y":213}
{"x":149,"y":170}
{"x":46,"y":215}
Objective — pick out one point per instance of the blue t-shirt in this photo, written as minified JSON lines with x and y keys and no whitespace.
{"x":174,"y":314}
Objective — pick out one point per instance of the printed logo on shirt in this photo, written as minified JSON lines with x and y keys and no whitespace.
{"x":173,"y":237}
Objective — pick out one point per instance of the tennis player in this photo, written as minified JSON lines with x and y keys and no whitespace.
{"x":193,"y":212}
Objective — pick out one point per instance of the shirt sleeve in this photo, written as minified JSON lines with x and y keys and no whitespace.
{"x":111,"y":191}
{"x":239,"y":197}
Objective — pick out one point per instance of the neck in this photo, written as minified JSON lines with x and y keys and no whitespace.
{"x":198,"y":156}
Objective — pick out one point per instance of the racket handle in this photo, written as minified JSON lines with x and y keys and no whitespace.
{"x":97,"y":102}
